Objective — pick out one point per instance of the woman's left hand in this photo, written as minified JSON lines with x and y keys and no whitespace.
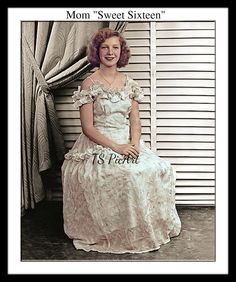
{"x":135,"y":145}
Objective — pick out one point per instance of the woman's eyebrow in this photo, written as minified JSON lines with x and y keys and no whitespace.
{"x":108,"y":44}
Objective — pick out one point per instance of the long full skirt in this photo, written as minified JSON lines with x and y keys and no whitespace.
{"x":115,"y":205}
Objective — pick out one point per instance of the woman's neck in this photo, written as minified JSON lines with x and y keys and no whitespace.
{"x":108,"y":72}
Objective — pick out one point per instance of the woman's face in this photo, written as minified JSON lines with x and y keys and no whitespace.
{"x":109,"y":51}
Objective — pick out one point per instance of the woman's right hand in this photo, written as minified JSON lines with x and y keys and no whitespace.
{"x":127,"y":150}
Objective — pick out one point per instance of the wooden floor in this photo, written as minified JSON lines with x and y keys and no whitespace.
{"x":43,"y":238}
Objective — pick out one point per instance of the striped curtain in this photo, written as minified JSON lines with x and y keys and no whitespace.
{"x":53,"y":54}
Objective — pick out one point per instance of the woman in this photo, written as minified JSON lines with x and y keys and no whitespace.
{"x":118,"y":195}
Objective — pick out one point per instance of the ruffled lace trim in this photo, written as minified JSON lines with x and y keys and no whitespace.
{"x":131,"y":90}
{"x":137,"y":92}
{"x":90,"y":152}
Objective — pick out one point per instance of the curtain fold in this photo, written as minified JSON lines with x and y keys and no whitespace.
{"x":118,"y":26}
{"x":53,"y":55}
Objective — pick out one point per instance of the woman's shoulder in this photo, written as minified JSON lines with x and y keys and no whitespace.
{"x":87,"y":83}
{"x":84,"y":94}
{"x":136,"y":91}
{"x":131,"y":81}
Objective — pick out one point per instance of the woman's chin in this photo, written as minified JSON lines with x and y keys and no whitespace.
{"x":109,"y":63}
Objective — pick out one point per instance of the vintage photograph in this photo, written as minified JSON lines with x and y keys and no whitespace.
{"x":99,"y":95}
{"x":118,"y":140}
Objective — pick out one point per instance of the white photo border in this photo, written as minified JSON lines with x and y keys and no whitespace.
{"x":15,"y":265}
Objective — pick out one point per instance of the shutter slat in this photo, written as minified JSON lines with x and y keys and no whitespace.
{"x":185,"y":50}
{"x":186,"y":107}
{"x":186,"y":122}
{"x":185,"y":83}
{"x":180,"y":58}
{"x":185,"y":130}
{"x":185,"y":75}
{"x":185,"y":91}
{"x":185,"y":145}
{"x":185,"y":33}
{"x":190,"y":161}
{"x":186,"y":42}
{"x":181,"y":152}
{"x":193,"y":168}
{"x":193,"y":115}
{"x":185,"y":138}
{"x":185,"y":25}
{"x":185,"y":99}
{"x":185,"y":67}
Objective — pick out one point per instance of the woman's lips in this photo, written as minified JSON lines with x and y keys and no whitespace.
{"x":109,"y":58}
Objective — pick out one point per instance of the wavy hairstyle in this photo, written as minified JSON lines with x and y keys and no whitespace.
{"x":98,"y":38}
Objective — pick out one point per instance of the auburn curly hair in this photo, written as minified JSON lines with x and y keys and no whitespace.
{"x":98,"y":38}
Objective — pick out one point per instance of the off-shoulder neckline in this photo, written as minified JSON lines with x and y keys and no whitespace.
{"x":106,"y":89}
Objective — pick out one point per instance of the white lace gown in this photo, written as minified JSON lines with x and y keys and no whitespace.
{"x":111,"y":204}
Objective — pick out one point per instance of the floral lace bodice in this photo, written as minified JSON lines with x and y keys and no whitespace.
{"x":111,"y":107}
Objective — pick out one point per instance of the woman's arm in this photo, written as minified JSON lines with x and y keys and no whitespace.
{"x":86,"y":118}
{"x":135,"y":124}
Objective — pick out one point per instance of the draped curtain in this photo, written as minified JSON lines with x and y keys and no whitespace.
{"x":53,"y":55}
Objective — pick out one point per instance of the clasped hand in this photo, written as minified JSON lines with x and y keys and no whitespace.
{"x":130,"y":150}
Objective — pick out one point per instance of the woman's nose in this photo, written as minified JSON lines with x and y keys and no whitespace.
{"x":110,"y":51}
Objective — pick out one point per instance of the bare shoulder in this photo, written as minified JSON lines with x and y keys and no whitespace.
{"x":87,"y":83}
